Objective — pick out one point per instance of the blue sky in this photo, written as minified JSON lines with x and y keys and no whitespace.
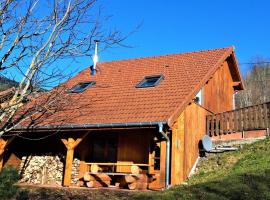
{"x":174,"y":26}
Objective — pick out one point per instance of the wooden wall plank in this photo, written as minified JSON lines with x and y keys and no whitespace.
{"x":134,"y":147}
{"x":218,"y":92}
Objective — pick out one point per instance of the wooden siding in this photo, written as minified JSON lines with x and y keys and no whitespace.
{"x":187,"y":131}
{"x":133,"y":147}
{"x":195,"y":129}
{"x":218,"y":92}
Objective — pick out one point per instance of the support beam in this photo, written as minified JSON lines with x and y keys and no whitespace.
{"x":177,"y":158}
{"x":163,"y":164}
{"x":151,"y":161}
{"x":70,"y":144}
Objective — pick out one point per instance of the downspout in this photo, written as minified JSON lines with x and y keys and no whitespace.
{"x":168,"y":144}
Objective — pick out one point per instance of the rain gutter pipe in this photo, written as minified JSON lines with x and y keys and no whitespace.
{"x":168,"y":144}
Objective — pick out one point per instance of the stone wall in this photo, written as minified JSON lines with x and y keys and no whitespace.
{"x":46,"y":169}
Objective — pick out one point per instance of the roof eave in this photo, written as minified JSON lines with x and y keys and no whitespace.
{"x":235,"y":62}
{"x":89,"y":126}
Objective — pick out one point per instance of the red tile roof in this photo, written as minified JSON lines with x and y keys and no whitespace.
{"x":115,"y":99}
{"x":6,"y":94}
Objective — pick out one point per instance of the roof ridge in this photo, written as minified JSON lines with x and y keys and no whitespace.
{"x":172,"y":54}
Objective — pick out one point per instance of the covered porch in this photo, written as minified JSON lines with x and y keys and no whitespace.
{"x":132,"y":158}
{"x":123,"y":158}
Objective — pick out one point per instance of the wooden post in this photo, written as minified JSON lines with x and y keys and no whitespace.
{"x":177,"y":152}
{"x":151,"y":161}
{"x":70,"y":144}
{"x":162,"y":163}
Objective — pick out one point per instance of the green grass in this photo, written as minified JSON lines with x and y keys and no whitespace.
{"x":243,"y":174}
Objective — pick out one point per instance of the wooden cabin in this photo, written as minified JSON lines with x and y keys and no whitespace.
{"x":136,"y":123}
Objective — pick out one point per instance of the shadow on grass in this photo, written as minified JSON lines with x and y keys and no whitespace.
{"x":238,"y":187}
{"x":249,"y":186}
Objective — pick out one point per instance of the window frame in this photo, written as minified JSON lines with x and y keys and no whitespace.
{"x":142,"y":82}
{"x":91,"y":83}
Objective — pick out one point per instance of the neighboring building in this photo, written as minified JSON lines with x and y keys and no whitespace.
{"x":121,"y":119}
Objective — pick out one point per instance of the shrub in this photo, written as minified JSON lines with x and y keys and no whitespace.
{"x":8,"y":177}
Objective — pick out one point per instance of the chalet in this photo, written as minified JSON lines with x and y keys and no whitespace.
{"x":136,"y":119}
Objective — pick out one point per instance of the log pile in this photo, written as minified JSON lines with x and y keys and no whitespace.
{"x":134,"y":180}
{"x":97,"y":180}
{"x":138,"y":182}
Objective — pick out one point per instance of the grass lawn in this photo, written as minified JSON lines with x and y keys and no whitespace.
{"x":244,"y":174}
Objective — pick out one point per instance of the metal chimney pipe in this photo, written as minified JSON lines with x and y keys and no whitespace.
{"x":95,"y":59}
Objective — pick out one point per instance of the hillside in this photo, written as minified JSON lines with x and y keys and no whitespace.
{"x":6,"y":83}
{"x":244,"y":174}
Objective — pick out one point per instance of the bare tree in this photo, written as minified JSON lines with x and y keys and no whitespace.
{"x":36,"y":36}
{"x":257,"y":85}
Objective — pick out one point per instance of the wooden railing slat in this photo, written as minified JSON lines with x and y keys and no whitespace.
{"x":208,"y":121}
{"x":221,"y":126}
{"x":268,"y":115}
{"x":250,"y":118}
{"x":213,"y":126}
{"x":245,"y":119}
{"x":231,"y":119}
{"x":217,"y":124}
{"x":240,"y":120}
{"x":227,"y":123}
{"x":261,"y":117}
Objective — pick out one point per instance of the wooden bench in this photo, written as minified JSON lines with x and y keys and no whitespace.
{"x":131,"y":177}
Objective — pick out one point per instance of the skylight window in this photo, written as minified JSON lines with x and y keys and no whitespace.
{"x":80,"y":87}
{"x":150,"y":81}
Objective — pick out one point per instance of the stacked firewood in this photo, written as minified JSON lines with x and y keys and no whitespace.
{"x":97,"y":180}
{"x":42,"y":170}
{"x":132,"y":182}
{"x":138,"y":182}
{"x":97,"y":177}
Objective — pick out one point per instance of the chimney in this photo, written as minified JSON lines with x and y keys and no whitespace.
{"x":95,"y":59}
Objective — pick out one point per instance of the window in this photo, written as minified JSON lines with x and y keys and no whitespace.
{"x":150,"y":81}
{"x":80,"y":87}
{"x":199,"y":97}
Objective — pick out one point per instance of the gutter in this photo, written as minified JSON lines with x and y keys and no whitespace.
{"x":168,"y":144}
{"x":89,"y":126}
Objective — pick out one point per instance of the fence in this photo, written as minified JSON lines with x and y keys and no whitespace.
{"x":249,"y":118}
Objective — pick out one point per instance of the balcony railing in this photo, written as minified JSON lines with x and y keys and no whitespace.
{"x":249,"y":118}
